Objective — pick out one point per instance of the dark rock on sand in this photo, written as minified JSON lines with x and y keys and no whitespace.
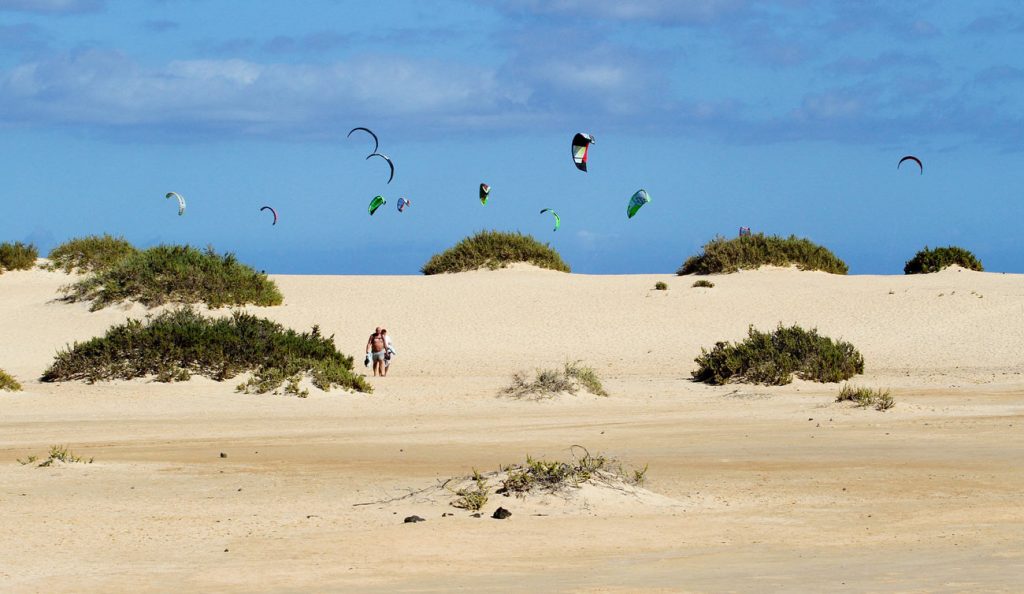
{"x":414,"y":519}
{"x":501,"y":513}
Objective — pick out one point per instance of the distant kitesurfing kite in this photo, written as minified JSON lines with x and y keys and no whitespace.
{"x":558,"y":221}
{"x":377,"y":202}
{"x":402,"y":203}
{"x":640,"y":198}
{"x":272,"y":211}
{"x":911,"y":158}
{"x":580,"y":149}
{"x":390,"y":164}
{"x":376,"y":144}
{"x":181,"y":201}
{"x":485,"y":192}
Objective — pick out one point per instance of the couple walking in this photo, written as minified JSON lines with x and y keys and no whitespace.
{"x":378,"y":350}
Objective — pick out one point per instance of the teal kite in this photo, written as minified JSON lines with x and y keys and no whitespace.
{"x":377,"y":202}
{"x":640,"y":198}
{"x":558,"y":221}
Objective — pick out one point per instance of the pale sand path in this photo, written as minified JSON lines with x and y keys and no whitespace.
{"x":932,"y":488}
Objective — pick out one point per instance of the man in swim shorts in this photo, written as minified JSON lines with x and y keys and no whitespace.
{"x":377,"y":350}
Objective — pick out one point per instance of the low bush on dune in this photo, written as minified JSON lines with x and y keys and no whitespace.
{"x":17,"y":256}
{"x":93,"y":253}
{"x":551,"y":476}
{"x":58,"y":453}
{"x":934,"y":260}
{"x":862,"y":397}
{"x":703,"y":284}
{"x":547,"y":383}
{"x":176,"y":274}
{"x":494,"y":249}
{"x":754,"y":251}
{"x":774,"y":358}
{"x":177,"y":344}
{"x":8,"y":383}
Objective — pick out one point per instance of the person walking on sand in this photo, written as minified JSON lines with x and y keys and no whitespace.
{"x":376,"y":349}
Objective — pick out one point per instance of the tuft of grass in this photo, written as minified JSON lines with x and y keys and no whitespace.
{"x":660,"y":286}
{"x":494,"y":249}
{"x":176,"y":274}
{"x":862,"y":397}
{"x":176,"y":344}
{"x":934,"y":260}
{"x":58,"y":453}
{"x":17,"y":256}
{"x":703,"y":283}
{"x":549,"y":382}
{"x":92,"y":253}
{"x":773,"y":358}
{"x":554,"y":475}
{"x":473,"y":498}
{"x":753,"y":251}
{"x":8,"y":383}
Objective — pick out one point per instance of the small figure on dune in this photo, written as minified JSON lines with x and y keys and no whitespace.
{"x":379,"y":351}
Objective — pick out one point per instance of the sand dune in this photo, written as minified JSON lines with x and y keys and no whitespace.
{"x":751,"y":488}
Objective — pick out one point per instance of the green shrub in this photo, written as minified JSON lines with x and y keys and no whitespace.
{"x":8,"y":383}
{"x":703,"y":283}
{"x":494,"y":249}
{"x":176,"y":344}
{"x":17,"y":256}
{"x":176,"y":274}
{"x":58,"y":453}
{"x":554,"y":475}
{"x":881,"y":400}
{"x":90,"y":254}
{"x":928,"y":260}
{"x":660,"y":286}
{"x":773,"y":358}
{"x":475,"y":496}
{"x":549,"y":382}
{"x":754,"y":251}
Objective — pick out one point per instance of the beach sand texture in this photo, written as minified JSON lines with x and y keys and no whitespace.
{"x":749,"y":489}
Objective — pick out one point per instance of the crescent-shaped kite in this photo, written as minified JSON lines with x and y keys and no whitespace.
{"x":402,"y":203}
{"x":640,"y":198}
{"x":914,"y":159}
{"x":181,"y":201}
{"x":485,"y":192}
{"x":376,"y":143}
{"x":390,"y":164}
{"x":377,"y":202}
{"x":581,"y":149}
{"x":558,"y":221}
{"x":272,"y":211}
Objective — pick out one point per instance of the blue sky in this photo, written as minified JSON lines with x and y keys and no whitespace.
{"x":787,"y":116}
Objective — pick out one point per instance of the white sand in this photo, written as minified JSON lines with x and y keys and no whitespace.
{"x":752,"y":489}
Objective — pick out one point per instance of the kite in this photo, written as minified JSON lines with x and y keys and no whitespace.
{"x":911,"y":158}
{"x":640,"y":198}
{"x":272,"y":211}
{"x":580,"y":147}
{"x":377,"y":202}
{"x":181,"y":202}
{"x":376,"y":144}
{"x":558,"y":221}
{"x":402,"y":203}
{"x":485,"y":192}
{"x":390,"y":164}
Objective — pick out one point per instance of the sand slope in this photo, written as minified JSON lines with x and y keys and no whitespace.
{"x":758,"y":489}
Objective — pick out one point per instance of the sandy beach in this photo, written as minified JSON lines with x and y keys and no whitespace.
{"x":749,"y":488}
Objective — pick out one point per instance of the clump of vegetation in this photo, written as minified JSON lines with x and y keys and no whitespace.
{"x":660,"y":286}
{"x":934,"y":260}
{"x":176,"y":274}
{"x":754,"y":251}
{"x":473,"y":497}
{"x":703,"y":283}
{"x":58,"y":453}
{"x":176,"y":344}
{"x":773,"y":358}
{"x":862,"y":397}
{"x":93,"y":253}
{"x":554,"y":475}
{"x":8,"y":383}
{"x":17,"y":256}
{"x":494,"y":249}
{"x":549,"y":382}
